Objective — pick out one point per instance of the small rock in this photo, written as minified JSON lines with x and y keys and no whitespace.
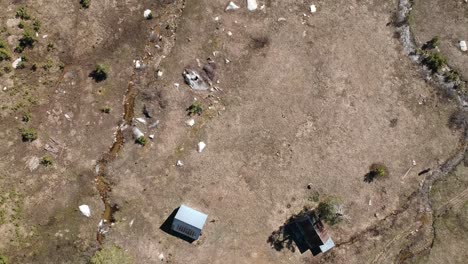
{"x":84,"y":209}
{"x":313,"y":9}
{"x":16,"y":63}
{"x":252,"y":5}
{"x":414,"y":163}
{"x":161,"y":257}
{"x":151,"y":136}
{"x":131,"y":222}
{"x":141,"y":120}
{"x":137,"y":133}
{"x":232,"y":6}
{"x":179,"y":163}
{"x":176,"y":85}
{"x":67,"y":117}
{"x":159,"y":73}
{"x":201,"y":146}
{"x":190,"y":122}
{"x":281,"y":19}
{"x":229,"y":33}
{"x":463,"y":46}
{"x":137,"y":64}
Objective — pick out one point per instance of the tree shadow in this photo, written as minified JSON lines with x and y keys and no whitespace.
{"x":283,"y":237}
{"x":167,"y":227}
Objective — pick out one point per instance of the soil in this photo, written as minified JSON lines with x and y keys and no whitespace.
{"x":300,"y":108}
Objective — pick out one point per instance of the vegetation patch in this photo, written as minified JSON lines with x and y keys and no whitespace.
{"x":22,"y":13}
{"x":141,"y":141}
{"x":47,"y":161}
{"x":27,"y":40}
{"x":106,"y":110}
{"x":376,"y":171}
{"x":110,"y":255}
{"x":28,"y":134}
{"x":85,"y":3}
{"x":330,"y":211}
{"x":195,"y":109}
{"x":99,"y":73}
{"x":435,"y":61}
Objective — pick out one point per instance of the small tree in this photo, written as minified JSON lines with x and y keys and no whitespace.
{"x":435,"y":61}
{"x":22,"y":13}
{"x":27,"y":40}
{"x":100,"y":73}
{"x":330,"y":211}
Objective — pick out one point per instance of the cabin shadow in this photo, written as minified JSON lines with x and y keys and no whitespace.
{"x":167,"y":227}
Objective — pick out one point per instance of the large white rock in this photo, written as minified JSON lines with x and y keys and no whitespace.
{"x":313,"y":9}
{"x":84,"y":209}
{"x":252,"y":5}
{"x":201,"y":146}
{"x":147,"y":13}
{"x":190,"y":122}
{"x":232,"y":6}
{"x":463,"y":46}
{"x":16,"y":63}
{"x":137,"y":133}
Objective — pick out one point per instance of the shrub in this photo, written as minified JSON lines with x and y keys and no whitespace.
{"x":99,"y":73}
{"x":4,"y":54}
{"x":21,"y":24}
{"x":141,"y":140}
{"x":3,"y":259}
{"x":106,"y":110}
{"x":435,"y":61}
{"x":7,"y":69}
{"x":50,"y":47}
{"x":329,"y":211}
{"x":432,"y":44}
{"x":376,"y":171}
{"x":36,"y":25}
{"x":26,"y":117}
{"x":2,"y":44}
{"x":47,"y":161}
{"x":451,"y":76}
{"x":22,"y":13}
{"x":110,"y":255}
{"x":195,"y":109}
{"x":28,"y":134}
{"x":27,"y":40}
{"x":85,"y":3}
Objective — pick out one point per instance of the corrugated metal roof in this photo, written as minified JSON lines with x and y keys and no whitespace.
{"x":191,"y":217}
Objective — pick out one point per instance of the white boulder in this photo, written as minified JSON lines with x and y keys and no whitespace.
{"x":84,"y":209}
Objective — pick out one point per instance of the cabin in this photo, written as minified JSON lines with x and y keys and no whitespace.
{"x":189,"y":222}
{"x":309,"y":233}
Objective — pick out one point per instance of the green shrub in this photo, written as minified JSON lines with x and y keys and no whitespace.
{"x":4,"y":54}
{"x":451,"y":76}
{"x":26,"y":117}
{"x":376,"y":171}
{"x":435,"y":61}
{"x":432,"y":44}
{"x":2,"y":44}
{"x":47,"y":161}
{"x":3,"y":259}
{"x":195,"y":109}
{"x":85,"y":3}
{"x":50,"y":47}
{"x":141,"y":140}
{"x":7,"y":69}
{"x":36,"y":25}
{"x":328,"y":211}
{"x":21,"y":24}
{"x":22,"y":13}
{"x":99,"y":73}
{"x":27,"y":40}
{"x":28,"y":134}
{"x":111,"y":255}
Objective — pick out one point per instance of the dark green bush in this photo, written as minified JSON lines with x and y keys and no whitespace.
{"x":27,"y":40}
{"x":99,"y":73}
{"x":435,"y":61}
{"x":47,"y":161}
{"x":328,"y":211}
{"x":28,"y":134}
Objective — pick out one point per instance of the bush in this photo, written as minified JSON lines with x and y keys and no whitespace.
{"x":27,"y":40}
{"x":22,"y":13}
{"x":435,"y":61}
{"x":195,"y":109}
{"x":28,"y":134}
{"x":106,"y":110}
{"x":36,"y":25}
{"x":85,"y":3}
{"x":2,"y":44}
{"x":3,"y":259}
{"x":329,"y":211}
{"x":110,"y":255}
{"x":432,"y":44}
{"x":21,"y":24}
{"x":141,"y":140}
{"x":26,"y":117}
{"x":99,"y":73}
{"x":376,"y":171}
{"x":451,"y":76}
{"x":4,"y":54}
{"x":47,"y":161}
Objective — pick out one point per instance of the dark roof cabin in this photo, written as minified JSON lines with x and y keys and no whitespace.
{"x":309,"y":232}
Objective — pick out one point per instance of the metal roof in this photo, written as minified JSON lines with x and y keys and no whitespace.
{"x":327,"y":245}
{"x":191,"y":217}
